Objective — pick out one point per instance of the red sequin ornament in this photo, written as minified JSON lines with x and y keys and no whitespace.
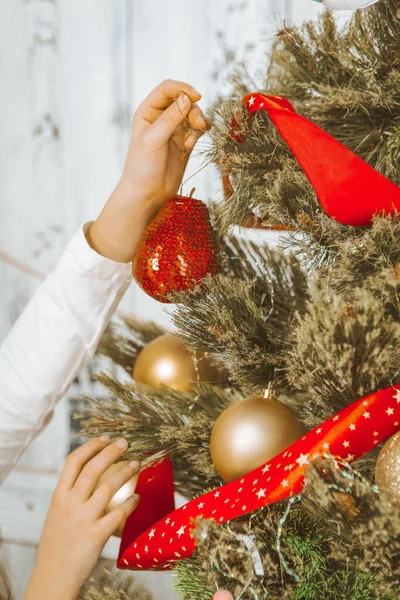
{"x":177,"y":250}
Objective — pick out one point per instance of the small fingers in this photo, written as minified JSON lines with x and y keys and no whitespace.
{"x":114,"y":519}
{"x":113,"y":486}
{"x":223,"y":596}
{"x":92,"y":471}
{"x":196,"y":118}
{"x":159,"y":100}
{"x":162,"y":96}
{"x":191,"y":138}
{"x":77,"y":460}
{"x":199,"y":127}
{"x":168,"y":122}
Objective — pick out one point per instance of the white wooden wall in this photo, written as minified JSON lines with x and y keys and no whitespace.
{"x":72,"y":73}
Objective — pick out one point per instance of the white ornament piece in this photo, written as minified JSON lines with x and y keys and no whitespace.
{"x":347,"y":4}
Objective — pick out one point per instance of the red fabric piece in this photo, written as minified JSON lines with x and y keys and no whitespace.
{"x":349,"y":434}
{"x":348,"y":189}
{"x":156,"y":490}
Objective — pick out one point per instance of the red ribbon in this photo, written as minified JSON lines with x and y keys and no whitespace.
{"x":348,"y":189}
{"x":349,"y":434}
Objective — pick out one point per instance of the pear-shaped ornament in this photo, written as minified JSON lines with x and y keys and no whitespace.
{"x":177,"y":250}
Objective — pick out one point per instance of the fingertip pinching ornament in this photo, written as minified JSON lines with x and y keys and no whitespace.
{"x":177,"y":250}
{"x":346,"y":4}
{"x":251,"y":432}
{"x":124,"y":492}
{"x":387,"y":471}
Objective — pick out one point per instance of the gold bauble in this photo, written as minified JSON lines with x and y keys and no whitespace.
{"x":251,"y":432}
{"x":387,"y":470}
{"x":124,"y":492}
{"x":167,"y":361}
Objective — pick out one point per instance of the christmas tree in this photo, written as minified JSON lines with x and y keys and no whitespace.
{"x":284,"y":342}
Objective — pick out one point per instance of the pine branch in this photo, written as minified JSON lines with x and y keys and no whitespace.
{"x":371,"y":261}
{"x":342,"y":351}
{"x":160,"y":422}
{"x":245,"y":321}
{"x":108,"y":587}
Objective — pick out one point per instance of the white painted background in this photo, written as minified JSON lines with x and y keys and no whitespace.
{"x":72,"y":73}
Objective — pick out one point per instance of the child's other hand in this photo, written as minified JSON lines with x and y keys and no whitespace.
{"x":223,"y":596}
{"x":76,"y":527}
{"x":158,"y":152}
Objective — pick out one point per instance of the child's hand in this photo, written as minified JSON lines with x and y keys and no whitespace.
{"x":223,"y":596}
{"x":159,"y":150}
{"x":76,"y":528}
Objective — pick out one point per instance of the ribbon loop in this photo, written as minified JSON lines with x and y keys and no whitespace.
{"x":349,"y":190}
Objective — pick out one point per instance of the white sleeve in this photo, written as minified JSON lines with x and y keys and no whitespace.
{"x":53,"y":338}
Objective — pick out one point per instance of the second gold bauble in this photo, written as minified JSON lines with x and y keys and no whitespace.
{"x":387,"y":471}
{"x":167,"y":361}
{"x":250,"y":433}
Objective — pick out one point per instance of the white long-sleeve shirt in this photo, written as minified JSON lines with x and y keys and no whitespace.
{"x":53,"y":338}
